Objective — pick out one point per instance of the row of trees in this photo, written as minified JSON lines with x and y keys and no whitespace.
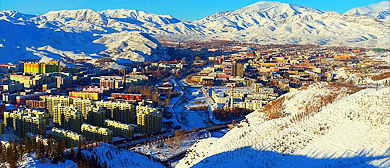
{"x":274,"y":109}
{"x":50,"y":149}
{"x":230,"y":114}
{"x":15,"y":150}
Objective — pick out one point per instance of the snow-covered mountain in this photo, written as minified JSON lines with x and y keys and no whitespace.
{"x":379,"y":10}
{"x":83,"y":33}
{"x":281,"y":23}
{"x":324,"y":125}
{"x":261,"y":13}
{"x":78,"y":34}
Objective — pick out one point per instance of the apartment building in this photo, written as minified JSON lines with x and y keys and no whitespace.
{"x":111,"y":83}
{"x":85,"y":95}
{"x":24,"y":122}
{"x":94,"y":133}
{"x":52,"y":101}
{"x":96,"y":116}
{"x":41,"y":68}
{"x":68,"y":117}
{"x":12,"y":87}
{"x":31,"y":81}
{"x":2,"y":109}
{"x":118,"y":111}
{"x":149,"y":119}
{"x":119,"y":129}
{"x":127,"y":96}
{"x":72,"y":139}
{"x":83,"y":105}
{"x":35,"y":104}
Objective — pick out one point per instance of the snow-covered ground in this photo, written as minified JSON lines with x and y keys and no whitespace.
{"x":166,"y":149}
{"x":324,"y":125}
{"x":181,"y":106}
{"x":116,"y":157}
{"x":31,"y":161}
{"x":112,"y":155}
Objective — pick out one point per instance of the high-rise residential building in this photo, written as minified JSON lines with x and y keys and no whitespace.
{"x":41,"y":68}
{"x":237,"y":69}
{"x":96,"y":116}
{"x":111,"y":83}
{"x":85,"y":95}
{"x":68,"y":117}
{"x":83,"y":105}
{"x":63,"y":82}
{"x":32,"y":81}
{"x":12,"y":87}
{"x":149,"y":119}
{"x":118,"y":111}
{"x":24,"y":122}
{"x":2,"y":109}
{"x":36,"y":113}
{"x":72,"y":139}
{"x":52,"y":101}
{"x":35,"y":104}
{"x":119,"y":129}
{"x":94,"y":133}
{"x":92,"y":93}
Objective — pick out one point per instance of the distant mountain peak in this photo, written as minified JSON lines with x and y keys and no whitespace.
{"x":379,"y":10}
{"x":87,"y":15}
{"x":279,"y":6}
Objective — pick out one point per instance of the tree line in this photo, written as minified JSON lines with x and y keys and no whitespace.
{"x":14,"y":150}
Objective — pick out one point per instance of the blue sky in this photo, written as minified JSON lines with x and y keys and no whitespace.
{"x":182,"y":9}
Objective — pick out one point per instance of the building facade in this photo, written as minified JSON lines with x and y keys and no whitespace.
{"x":52,"y":101}
{"x":119,"y":129}
{"x":72,"y":139}
{"x":96,"y":116}
{"x":41,"y":68}
{"x":94,"y":133}
{"x":24,"y":122}
{"x":149,"y":119}
{"x":68,"y":117}
{"x":118,"y":111}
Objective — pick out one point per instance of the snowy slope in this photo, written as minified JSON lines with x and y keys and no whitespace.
{"x":261,"y":13}
{"x":120,"y":158}
{"x":78,"y":34}
{"x":112,"y":155}
{"x":281,"y":23}
{"x":351,"y":131}
{"x":29,"y":161}
{"x":379,"y":10}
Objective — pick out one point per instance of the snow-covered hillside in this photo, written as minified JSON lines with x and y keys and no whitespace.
{"x":74,"y":34}
{"x":120,"y":158}
{"x":71,"y":35}
{"x":324,"y":125}
{"x":379,"y":10}
{"x":111,"y":155}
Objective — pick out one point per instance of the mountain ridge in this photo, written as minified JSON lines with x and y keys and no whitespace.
{"x":262,"y":23}
{"x":379,"y":10}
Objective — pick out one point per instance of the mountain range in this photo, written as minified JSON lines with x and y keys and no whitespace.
{"x":128,"y":35}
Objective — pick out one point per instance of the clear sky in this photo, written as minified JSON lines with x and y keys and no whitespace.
{"x":182,"y":9}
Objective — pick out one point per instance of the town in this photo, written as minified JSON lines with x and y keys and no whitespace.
{"x":144,"y":107}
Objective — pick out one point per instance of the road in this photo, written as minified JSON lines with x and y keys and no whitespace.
{"x":160,"y":136}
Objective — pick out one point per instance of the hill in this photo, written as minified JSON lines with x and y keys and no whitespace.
{"x":323,"y":125}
